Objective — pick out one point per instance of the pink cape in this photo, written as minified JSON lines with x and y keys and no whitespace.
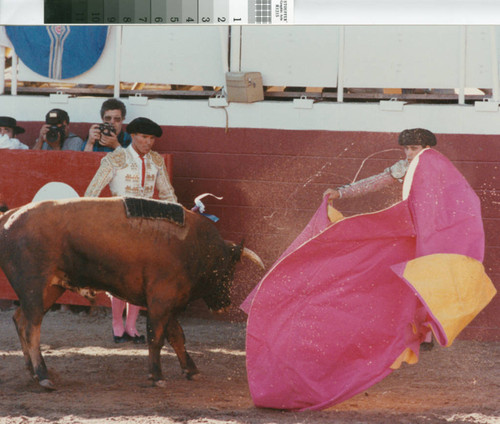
{"x":336,"y":311}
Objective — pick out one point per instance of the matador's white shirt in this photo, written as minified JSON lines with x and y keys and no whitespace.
{"x":122,"y":170}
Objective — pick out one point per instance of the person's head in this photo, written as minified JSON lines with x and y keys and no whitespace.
{"x":415,"y":140}
{"x":58,"y":120}
{"x":144,"y":133}
{"x":9,"y":126}
{"x":113,"y":112}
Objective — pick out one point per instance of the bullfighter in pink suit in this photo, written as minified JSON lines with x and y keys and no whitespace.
{"x":349,"y":301}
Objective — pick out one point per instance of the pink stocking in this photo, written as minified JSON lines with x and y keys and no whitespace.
{"x":132,"y":314}
{"x":117,"y":307}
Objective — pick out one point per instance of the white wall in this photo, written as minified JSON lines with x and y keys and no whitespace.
{"x":451,"y":119}
{"x":292,"y":55}
{"x":195,"y":55}
{"x":374,"y":56}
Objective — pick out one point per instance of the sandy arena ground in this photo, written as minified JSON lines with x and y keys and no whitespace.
{"x":100,"y":382}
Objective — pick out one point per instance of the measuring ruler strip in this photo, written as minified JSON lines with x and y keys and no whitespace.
{"x":221,"y":12}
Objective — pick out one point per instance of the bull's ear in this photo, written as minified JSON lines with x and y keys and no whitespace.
{"x":236,"y":250}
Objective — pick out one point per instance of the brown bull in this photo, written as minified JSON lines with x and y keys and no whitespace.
{"x":90,"y":243}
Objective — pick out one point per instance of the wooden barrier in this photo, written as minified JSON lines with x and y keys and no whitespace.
{"x":23,"y":173}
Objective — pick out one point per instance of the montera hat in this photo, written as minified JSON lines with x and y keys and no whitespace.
{"x":144,"y":126}
{"x":7,"y":121}
{"x":417,"y":136}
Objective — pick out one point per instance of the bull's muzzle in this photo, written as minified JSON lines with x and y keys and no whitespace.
{"x":221,"y":310}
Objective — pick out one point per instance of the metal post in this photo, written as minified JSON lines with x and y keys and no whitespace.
{"x":13,"y":78}
{"x":118,"y":52}
{"x":224,"y":41}
{"x":340,"y":75}
{"x":234,"y":46}
{"x":2,"y":70}
{"x":494,"y":64}
{"x":463,"y":64}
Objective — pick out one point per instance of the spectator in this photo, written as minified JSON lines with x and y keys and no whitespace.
{"x":133,"y":171}
{"x":55,"y":133}
{"x":109,"y":135}
{"x":8,"y":131}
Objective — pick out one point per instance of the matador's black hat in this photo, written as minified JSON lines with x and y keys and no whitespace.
{"x":144,"y":126}
{"x":417,"y":136}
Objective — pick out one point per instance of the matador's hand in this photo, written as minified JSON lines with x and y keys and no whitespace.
{"x":332,"y":194}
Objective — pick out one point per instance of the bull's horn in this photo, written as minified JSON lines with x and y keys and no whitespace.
{"x":250,"y":254}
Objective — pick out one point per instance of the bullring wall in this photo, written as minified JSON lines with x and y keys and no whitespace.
{"x":272,"y":182}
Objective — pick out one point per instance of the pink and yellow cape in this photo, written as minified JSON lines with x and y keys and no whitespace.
{"x":348,"y":302}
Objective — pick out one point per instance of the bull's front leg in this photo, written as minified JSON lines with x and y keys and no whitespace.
{"x":175,"y":337}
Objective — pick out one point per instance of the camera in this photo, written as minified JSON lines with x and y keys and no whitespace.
{"x":107,"y":129}
{"x":54,"y":133}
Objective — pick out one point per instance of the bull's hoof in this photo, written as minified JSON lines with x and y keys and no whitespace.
{"x":191,"y":375}
{"x":47,"y":384}
{"x":195,"y":377}
{"x":160,"y":383}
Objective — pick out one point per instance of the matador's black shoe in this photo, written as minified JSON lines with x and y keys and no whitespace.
{"x":122,"y":339}
{"x":138,"y":339}
{"x":427,"y":346}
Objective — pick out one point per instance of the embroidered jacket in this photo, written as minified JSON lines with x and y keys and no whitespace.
{"x":122,"y":170}
{"x":376,"y":182}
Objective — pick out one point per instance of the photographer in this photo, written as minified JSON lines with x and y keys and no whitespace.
{"x":108,"y":135}
{"x":55,"y":134}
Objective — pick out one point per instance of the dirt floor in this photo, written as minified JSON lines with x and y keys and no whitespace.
{"x":100,"y":382}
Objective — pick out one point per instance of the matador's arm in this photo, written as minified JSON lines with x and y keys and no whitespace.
{"x":165,"y":189}
{"x":101,"y":179}
{"x":375,"y":182}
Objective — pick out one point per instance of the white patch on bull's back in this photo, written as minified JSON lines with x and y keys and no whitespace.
{"x":28,"y":207}
{"x":14,"y":217}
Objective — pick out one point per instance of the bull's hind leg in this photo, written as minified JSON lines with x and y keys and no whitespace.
{"x":28,"y":319}
{"x":156,"y":340}
{"x":20,"y":322}
{"x":28,"y":329}
{"x":177,"y":340}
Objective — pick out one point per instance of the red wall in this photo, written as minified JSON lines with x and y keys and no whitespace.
{"x":23,"y":173}
{"x":272,"y":181}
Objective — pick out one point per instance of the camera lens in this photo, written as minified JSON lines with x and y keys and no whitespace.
{"x":55,"y":133}
{"x":52,"y":134}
